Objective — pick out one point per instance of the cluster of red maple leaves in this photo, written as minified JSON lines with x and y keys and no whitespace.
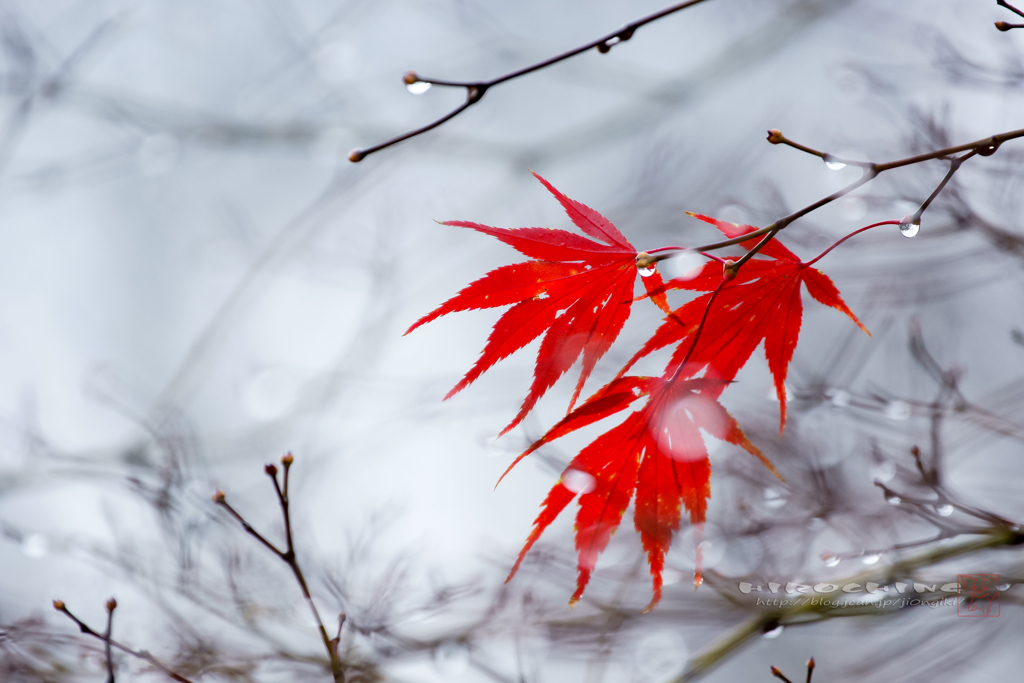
{"x":577,"y":292}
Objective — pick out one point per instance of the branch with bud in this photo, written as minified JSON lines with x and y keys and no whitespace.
{"x":288,"y":557}
{"x":109,"y":642}
{"x":475,"y":90}
{"x":782,"y":677}
{"x":1004,"y":26}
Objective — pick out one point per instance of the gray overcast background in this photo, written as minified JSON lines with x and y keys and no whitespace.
{"x":194,"y":280}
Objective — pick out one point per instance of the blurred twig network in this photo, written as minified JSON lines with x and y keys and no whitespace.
{"x":195,"y":280}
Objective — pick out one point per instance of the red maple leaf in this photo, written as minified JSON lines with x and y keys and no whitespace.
{"x":577,"y":292}
{"x":762,"y":302}
{"x":656,"y":452}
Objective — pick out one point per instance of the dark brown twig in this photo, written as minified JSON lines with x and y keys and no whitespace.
{"x":110,"y":642}
{"x":475,"y":89}
{"x":776,"y":137}
{"x":984,"y":147}
{"x":288,"y":557}
{"x":727,"y":268}
{"x":1002,"y":25}
{"x":111,"y":606}
{"x":781,"y":676}
{"x":1003,"y":3}
{"x":954,"y":166}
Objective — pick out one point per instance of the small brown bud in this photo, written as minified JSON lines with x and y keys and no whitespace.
{"x":1003,"y":26}
{"x":410,"y":77}
{"x":644,"y":260}
{"x":777,"y":673}
{"x":287,"y":459}
{"x":729,"y":270}
{"x":270,"y":469}
{"x":218,"y":497}
{"x":810,"y":664}
{"x":111,"y":605}
{"x":775,"y":136}
{"x":356,"y":155}
{"x":59,"y":605}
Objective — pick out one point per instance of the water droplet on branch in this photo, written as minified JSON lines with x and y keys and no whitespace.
{"x":910,"y":226}
{"x":944,"y":510}
{"x":871,"y":559}
{"x":775,"y":632}
{"x":831,"y":559}
{"x":646,"y":272}
{"x":418,"y":87}
{"x":835,"y":165}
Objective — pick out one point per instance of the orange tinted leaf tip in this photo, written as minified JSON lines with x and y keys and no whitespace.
{"x":652,"y":604}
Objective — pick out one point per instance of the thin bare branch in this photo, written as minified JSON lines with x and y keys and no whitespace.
{"x":1004,"y":26}
{"x":475,"y":89}
{"x":984,"y":147}
{"x":693,"y":345}
{"x":1003,"y":3}
{"x":110,"y":642}
{"x":111,"y":606}
{"x":779,"y":675}
{"x":289,"y":558}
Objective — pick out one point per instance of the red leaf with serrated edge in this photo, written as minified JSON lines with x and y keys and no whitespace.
{"x":588,"y":220}
{"x":577,"y":293}
{"x":762,"y":303}
{"x":612,"y":398}
{"x":657,"y":452}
